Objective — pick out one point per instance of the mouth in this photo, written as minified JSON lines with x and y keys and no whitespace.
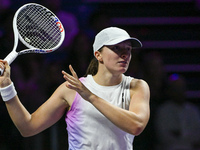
{"x":122,"y":62}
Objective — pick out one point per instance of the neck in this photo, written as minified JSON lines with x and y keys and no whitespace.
{"x":107,"y":79}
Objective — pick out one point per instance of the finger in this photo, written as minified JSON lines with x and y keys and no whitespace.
{"x":3,"y":61}
{"x":65,"y":75}
{"x":73,"y":72}
{"x":4,"y":64}
{"x":1,"y":65}
{"x":2,"y":68}
{"x":72,"y":80}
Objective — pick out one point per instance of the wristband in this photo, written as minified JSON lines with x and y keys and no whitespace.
{"x":8,"y":92}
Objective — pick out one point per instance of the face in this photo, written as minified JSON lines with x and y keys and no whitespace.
{"x":117,"y":57}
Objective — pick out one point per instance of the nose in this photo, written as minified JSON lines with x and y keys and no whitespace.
{"x":125,"y":55}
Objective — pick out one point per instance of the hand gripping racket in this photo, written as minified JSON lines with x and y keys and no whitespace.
{"x":38,"y":29}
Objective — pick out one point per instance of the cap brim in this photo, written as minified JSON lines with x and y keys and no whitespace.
{"x":134,"y":41}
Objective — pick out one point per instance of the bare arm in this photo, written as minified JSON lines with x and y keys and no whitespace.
{"x":45,"y":116}
{"x":132,"y":121}
{"x":135,"y":119}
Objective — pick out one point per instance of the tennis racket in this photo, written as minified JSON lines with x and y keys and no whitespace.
{"x":38,"y":29}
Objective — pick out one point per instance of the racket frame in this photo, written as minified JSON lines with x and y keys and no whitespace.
{"x":13,"y":54}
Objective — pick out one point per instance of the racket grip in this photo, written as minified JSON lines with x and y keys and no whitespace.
{"x":9,"y":58}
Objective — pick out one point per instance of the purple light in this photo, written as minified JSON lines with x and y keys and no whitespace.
{"x":173,"y":77}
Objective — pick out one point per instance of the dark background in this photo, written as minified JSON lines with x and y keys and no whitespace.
{"x":168,"y":29}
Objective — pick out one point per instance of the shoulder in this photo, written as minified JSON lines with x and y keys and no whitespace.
{"x":65,"y":93}
{"x":140,"y":88}
{"x":138,"y":84}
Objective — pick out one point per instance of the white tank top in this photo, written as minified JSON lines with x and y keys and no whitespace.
{"x":88,"y":129}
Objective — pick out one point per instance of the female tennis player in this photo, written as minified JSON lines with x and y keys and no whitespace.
{"x":106,"y":109}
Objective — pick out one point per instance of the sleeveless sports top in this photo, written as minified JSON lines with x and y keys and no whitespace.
{"x":88,"y":129}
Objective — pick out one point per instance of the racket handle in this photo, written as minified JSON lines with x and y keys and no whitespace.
{"x":10,"y":58}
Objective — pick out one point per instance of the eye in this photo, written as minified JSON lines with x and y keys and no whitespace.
{"x":129,"y":48}
{"x":115,"y":48}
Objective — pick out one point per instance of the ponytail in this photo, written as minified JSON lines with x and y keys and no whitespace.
{"x":93,"y":66}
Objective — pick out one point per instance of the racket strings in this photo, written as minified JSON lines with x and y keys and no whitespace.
{"x":38,"y":28}
{"x":44,"y":34}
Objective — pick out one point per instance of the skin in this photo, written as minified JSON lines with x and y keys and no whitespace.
{"x":113,"y":62}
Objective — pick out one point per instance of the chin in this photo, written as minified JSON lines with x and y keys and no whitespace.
{"x":119,"y":70}
{"x":123,"y":70}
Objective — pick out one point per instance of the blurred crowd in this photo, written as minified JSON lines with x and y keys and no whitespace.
{"x":174,"y":123}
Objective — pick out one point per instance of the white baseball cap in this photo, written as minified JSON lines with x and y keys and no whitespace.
{"x":112,"y":36}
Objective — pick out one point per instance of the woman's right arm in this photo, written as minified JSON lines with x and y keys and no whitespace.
{"x":45,"y":116}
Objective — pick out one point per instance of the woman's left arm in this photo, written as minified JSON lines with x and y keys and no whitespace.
{"x":136,"y":118}
{"x":133,"y":120}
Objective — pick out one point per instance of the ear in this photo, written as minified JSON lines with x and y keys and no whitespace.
{"x":98,"y":56}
